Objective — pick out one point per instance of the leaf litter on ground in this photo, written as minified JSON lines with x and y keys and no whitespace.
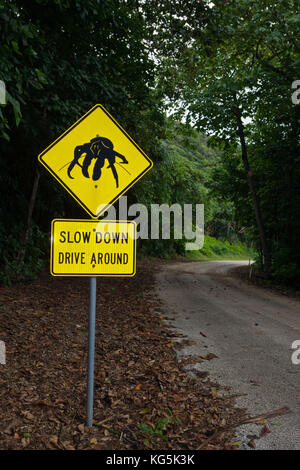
{"x":144,"y":397}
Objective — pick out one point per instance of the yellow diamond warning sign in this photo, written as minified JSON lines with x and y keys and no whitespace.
{"x":93,"y":248}
{"x":96,"y":161}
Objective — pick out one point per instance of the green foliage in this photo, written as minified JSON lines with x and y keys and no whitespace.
{"x":178,"y":178}
{"x":16,"y":268}
{"x":214,"y":249}
{"x":284,"y":269}
{"x":215,"y":61}
{"x":237,"y":73}
{"x":58,"y":59}
{"x":156,"y":430}
{"x":160,"y":428}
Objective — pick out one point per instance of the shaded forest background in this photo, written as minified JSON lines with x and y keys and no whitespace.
{"x":222,"y":72}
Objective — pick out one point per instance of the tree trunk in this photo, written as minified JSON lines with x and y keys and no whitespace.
{"x":29,"y":215}
{"x":260,"y":226}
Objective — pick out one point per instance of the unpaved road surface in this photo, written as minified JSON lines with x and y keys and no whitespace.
{"x":251,"y":330}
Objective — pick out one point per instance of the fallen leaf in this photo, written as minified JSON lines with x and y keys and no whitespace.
{"x":25,"y":441}
{"x":144,"y":411}
{"x":211,"y":356}
{"x":265,"y":430}
{"x":252,"y":444}
{"x":53,"y":440}
{"x":178,"y":398}
{"x":68,"y":446}
{"x":254,"y":382}
{"x":229,"y":447}
{"x":28,"y":415}
{"x":81,"y":428}
{"x":236,"y":443}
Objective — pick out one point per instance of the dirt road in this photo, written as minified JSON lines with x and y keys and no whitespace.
{"x":251,"y":330}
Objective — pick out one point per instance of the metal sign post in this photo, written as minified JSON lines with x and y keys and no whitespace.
{"x":92,"y":248}
{"x":91,"y":352}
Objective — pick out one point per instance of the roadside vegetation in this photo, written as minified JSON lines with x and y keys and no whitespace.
{"x":214,"y":249}
{"x":222,"y":72}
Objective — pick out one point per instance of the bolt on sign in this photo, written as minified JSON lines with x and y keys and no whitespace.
{"x":96,"y":161}
{"x":93,"y":248}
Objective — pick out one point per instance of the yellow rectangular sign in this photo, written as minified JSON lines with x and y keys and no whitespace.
{"x":93,"y":247}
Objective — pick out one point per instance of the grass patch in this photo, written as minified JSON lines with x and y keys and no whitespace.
{"x":214,"y":249}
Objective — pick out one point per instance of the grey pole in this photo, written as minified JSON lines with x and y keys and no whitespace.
{"x":91,"y":353}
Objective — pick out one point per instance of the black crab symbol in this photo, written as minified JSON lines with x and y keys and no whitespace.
{"x":100,"y":149}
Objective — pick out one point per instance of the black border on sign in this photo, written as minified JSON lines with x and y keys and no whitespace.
{"x":92,"y":274}
{"x":95,"y":216}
